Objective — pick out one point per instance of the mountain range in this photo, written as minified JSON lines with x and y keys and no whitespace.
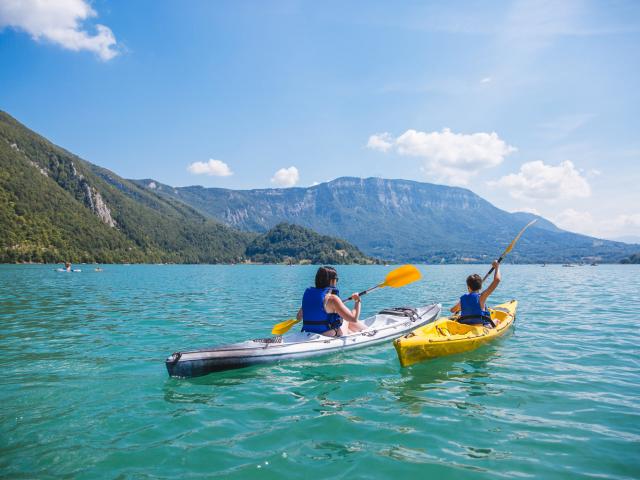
{"x":397,"y":220}
{"x":56,"y":206}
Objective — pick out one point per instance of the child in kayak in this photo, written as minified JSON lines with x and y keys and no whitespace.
{"x":473,"y":305}
{"x":322,"y":310}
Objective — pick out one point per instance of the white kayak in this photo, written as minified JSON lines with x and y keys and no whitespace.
{"x":383,"y":327}
{"x":75,"y":270}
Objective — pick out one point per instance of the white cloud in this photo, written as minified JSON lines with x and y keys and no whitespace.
{"x":538,"y":181}
{"x":447,"y":156}
{"x":59,"y":22}
{"x":214,"y":168}
{"x":286,"y":177}
{"x":380,"y":141}
{"x":584,"y":222}
{"x":486,"y":80}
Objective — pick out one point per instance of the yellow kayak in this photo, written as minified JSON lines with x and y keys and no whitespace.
{"x":445,"y":336}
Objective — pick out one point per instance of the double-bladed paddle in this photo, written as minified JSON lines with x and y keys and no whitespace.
{"x":399,"y":277}
{"x":511,"y":245}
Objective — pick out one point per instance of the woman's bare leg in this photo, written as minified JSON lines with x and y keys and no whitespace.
{"x":355,"y":327}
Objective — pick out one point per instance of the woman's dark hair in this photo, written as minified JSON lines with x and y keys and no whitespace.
{"x":324,"y":275}
{"x":474,"y":282}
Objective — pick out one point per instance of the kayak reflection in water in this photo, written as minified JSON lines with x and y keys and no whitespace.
{"x":473,"y":305}
{"x":322,"y":310}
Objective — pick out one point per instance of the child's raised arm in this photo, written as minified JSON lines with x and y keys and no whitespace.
{"x":496,"y":280}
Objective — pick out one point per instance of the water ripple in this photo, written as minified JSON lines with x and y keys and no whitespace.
{"x":85,"y":393}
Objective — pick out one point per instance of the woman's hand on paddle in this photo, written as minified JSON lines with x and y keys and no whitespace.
{"x":356,"y":298}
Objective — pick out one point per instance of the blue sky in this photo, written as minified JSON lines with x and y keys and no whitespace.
{"x":531,"y":104}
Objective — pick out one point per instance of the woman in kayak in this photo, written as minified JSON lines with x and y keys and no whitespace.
{"x":473,"y":305}
{"x":322,"y":310}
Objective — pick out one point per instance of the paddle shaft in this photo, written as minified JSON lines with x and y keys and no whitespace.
{"x":364,"y":292}
{"x":510,"y":247}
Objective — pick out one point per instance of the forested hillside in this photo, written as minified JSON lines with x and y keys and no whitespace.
{"x":287,"y":243}
{"x":55,"y":207}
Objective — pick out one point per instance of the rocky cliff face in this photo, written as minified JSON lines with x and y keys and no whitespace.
{"x":63,"y":171}
{"x":98,"y":206}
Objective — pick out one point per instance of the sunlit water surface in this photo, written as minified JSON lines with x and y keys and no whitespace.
{"x":85,"y":393}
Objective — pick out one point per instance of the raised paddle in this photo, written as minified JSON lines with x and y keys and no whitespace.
{"x":399,"y":277}
{"x":511,"y":245}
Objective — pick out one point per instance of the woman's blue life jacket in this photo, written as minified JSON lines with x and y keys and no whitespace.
{"x":471,"y":313}
{"x":314,"y":317}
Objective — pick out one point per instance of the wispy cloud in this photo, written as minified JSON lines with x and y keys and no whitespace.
{"x":517,"y":35}
{"x":59,"y":21}
{"x":528,"y":17}
{"x":563,"y":126}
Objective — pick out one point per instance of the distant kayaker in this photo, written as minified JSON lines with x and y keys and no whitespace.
{"x":323,"y":311}
{"x":67,"y":266}
{"x":473,"y":305}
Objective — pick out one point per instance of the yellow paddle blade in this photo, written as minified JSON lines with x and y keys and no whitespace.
{"x":512,"y":244}
{"x":402,"y":276}
{"x":283,"y":327}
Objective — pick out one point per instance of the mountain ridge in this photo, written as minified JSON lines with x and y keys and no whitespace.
{"x":399,"y":220}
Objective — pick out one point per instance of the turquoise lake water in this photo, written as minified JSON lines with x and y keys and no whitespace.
{"x":85,"y":393}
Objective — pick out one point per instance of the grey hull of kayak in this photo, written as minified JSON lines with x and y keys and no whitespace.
{"x":205,"y":366}
{"x":383,"y":327}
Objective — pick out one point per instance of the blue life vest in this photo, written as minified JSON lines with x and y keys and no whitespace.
{"x":314,"y":317}
{"x":471,"y":312}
